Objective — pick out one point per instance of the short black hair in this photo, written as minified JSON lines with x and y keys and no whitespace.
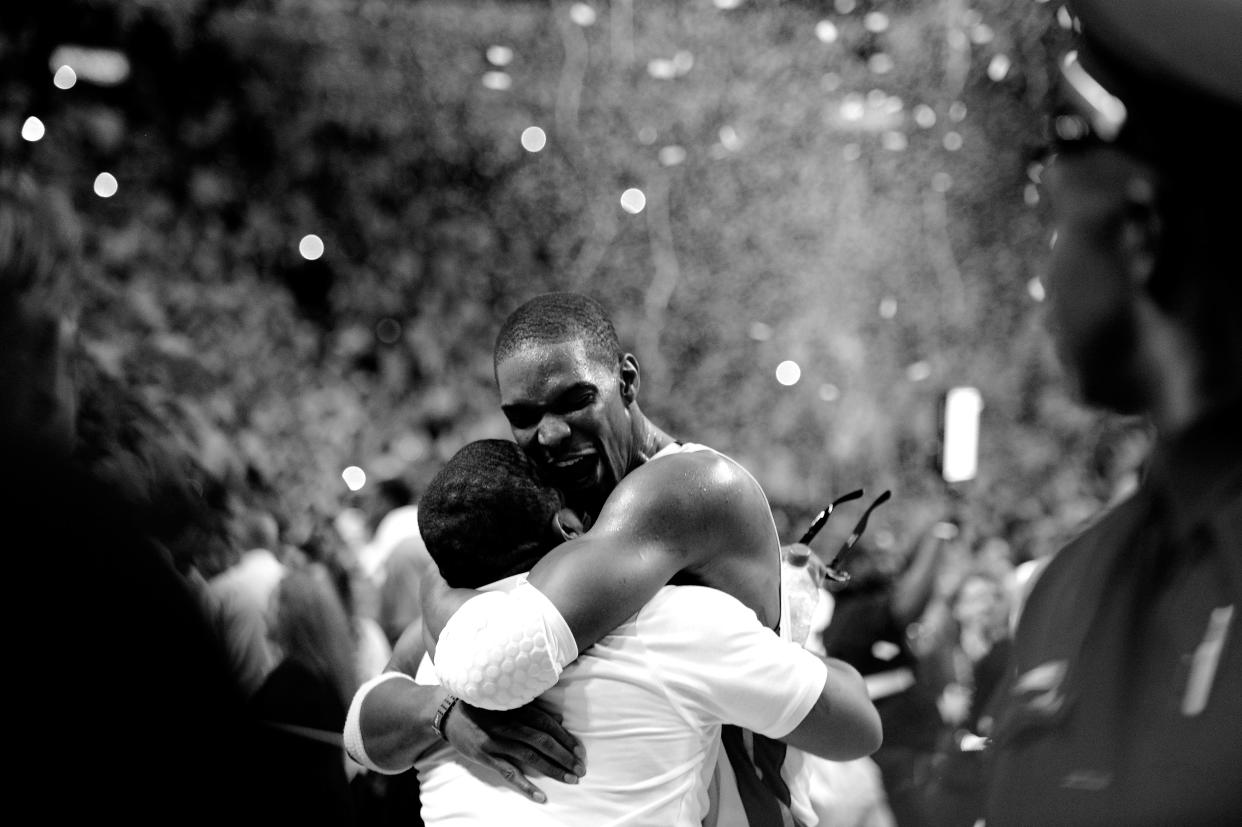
{"x":487,"y":514}
{"x":552,"y":318}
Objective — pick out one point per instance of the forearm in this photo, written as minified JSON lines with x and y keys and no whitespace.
{"x":843,"y":724}
{"x":389,"y":723}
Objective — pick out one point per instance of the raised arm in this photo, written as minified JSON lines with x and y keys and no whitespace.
{"x":695,"y":515}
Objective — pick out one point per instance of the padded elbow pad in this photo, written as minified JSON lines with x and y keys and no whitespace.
{"x":503,"y":649}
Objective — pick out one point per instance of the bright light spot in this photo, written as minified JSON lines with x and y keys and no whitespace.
{"x":960,"y":459}
{"x":952,"y":141}
{"x":893,"y":105}
{"x":1065,"y":18}
{"x":876,"y":21}
{"x":844,"y":6}
{"x":982,"y":34}
{"x":727,"y":4}
{"x":311,"y":247}
{"x":1035,"y":172}
{"x":894,"y":141}
{"x":662,"y":69}
{"x":388,"y":331}
{"x":354,"y":477}
{"x":760,"y":332}
{"x":888,"y":307}
{"x":106,"y":67}
{"x":788,"y":373}
{"x":918,"y":371}
{"x":877,"y":98}
{"x":1035,"y":288}
{"x":826,"y":31}
{"x":830,"y":82}
{"x":880,"y":63}
{"x":647,"y":135}
{"x":33,"y":129}
{"x":105,"y":185}
{"x":65,"y":77}
{"x":671,"y":156}
{"x":497,"y":81}
{"x":942,"y":182}
{"x":852,"y":108}
{"x":730,"y":139}
{"x":1030,"y":194}
{"x":499,"y":55}
{"x":957,"y":111}
{"x":829,"y":392}
{"x":924,"y":116}
{"x":633,"y":201}
{"x":683,"y":62}
{"x":534,"y":139}
{"x":851,"y":152}
{"x":998,"y":68}
{"x":1052,"y":240}
{"x":582,"y":14}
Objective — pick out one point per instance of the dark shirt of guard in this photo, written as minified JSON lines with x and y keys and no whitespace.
{"x":1125,"y":700}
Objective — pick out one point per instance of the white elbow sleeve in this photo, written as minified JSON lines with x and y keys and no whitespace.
{"x":503,"y":649}
{"x":354,"y":744}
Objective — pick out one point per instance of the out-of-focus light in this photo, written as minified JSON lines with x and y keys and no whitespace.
{"x":683,"y":62}
{"x":633,"y":201}
{"x":647,"y":135}
{"x":1035,"y":288}
{"x":942,"y":182}
{"x":671,"y":156}
{"x":499,"y":55}
{"x":953,"y":141}
{"x":1035,"y":172}
{"x":788,"y":373}
{"x":957,"y":111}
{"x":534,"y":139}
{"x":876,"y":22}
{"x":1052,"y":240}
{"x":830,"y":82}
{"x":311,"y":247}
{"x":826,"y":31}
{"x":760,"y":331}
{"x":877,"y":98}
{"x":582,"y":14}
{"x":829,"y":392}
{"x":1030,"y":195}
{"x":888,"y":307}
{"x":105,"y":185}
{"x":726,"y":5}
{"x":105,"y":67}
{"x":852,"y":152}
{"x":65,"y":77}
{"x":497,"y":81}
{"x":880,"y":63}
{"x":918,"y":371}
{"x":844,"y":6}
{"x":852,"y":108}
{"x":1065,"y":18}
{"x":661,"y":69}
{"x":33,"y":129}
{"x":729,"y":138}
{"x":957,"y":39}
{"x":982,"y":34}
{"x":388,"y":331}
{"x":972,"y":18}
{"x":998,"y":67}
{"x":960,"y":446}
{"x":354,"y":477}
{"x":924,"y":116}
{"x":894,"y":141}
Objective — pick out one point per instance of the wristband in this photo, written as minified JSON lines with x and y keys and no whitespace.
{"x":437,"y":722}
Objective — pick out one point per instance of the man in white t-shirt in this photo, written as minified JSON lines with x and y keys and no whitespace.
{"x":647,"y":700}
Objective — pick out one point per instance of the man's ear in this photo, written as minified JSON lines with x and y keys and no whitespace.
{"x":630,"y":378}
{"x":570,"y":523}
{"x":1141,"y":234}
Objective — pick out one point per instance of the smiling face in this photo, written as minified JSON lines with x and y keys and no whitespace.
{"x":570,"y":412}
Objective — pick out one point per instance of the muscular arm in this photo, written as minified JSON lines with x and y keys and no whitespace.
{"x":694,"y":514}
{"x":843,"y":724}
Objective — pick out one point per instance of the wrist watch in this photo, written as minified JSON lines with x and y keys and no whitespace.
{"x":437,"y":722}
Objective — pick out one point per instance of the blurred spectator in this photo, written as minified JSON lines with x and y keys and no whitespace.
{"x":393,"y":561}
{"x":371,"y":648}
{"x":302,"y":702}
{"x":869,"y":630}
{"x":125,"y":668}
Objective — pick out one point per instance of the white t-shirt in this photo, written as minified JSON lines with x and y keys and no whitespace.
{"x":647,"y":701}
